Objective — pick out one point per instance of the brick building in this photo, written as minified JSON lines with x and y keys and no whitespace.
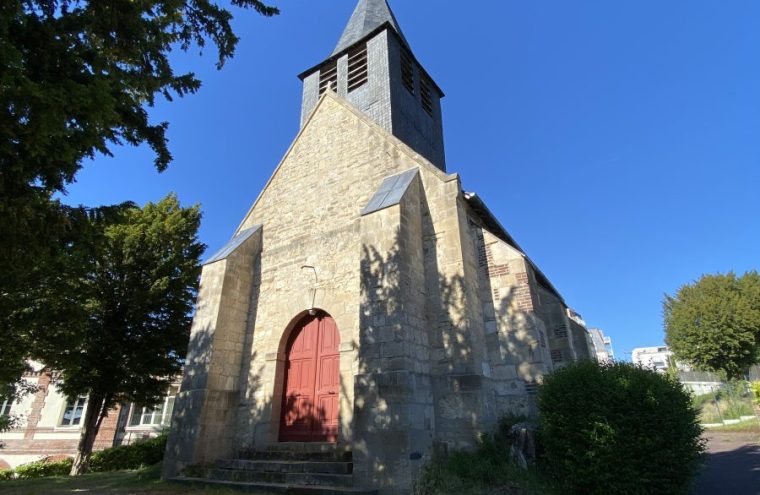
{"x":367,"y":311}
{"x":49,"y":424}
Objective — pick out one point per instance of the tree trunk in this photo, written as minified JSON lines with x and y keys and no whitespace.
{"x":93,"y":418}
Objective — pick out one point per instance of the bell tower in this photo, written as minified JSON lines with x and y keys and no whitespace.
{"x":374,"y":68}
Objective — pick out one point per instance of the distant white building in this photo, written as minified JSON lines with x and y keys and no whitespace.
{"x":657,"y":358}
{"x":602,"y":345}
{"x":660,"y":359}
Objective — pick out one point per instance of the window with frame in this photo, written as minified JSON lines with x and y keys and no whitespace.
{"x":5,"y":408}
{"x":72,"y":414}
{"x":160,"y":415}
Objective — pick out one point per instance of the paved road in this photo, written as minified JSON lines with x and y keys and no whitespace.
{"x":733,"y":465}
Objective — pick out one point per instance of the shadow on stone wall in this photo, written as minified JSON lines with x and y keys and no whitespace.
{"x":430,"y":376}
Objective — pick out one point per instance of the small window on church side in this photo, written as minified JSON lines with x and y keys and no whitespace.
{"x":357,"y":67}
{"x":407,"y":70}
{"x":328,"y":77}
{"x":425,"y":94}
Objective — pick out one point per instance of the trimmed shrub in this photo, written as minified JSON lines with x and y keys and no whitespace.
{"x":618,"y":428}
{"x":6,"y":474}
{"x":44,"y":468}
{"x":134,"y":456}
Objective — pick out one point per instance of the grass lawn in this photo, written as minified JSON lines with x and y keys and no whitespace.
{"x":751,"y":425}
{"x":142,"y":482}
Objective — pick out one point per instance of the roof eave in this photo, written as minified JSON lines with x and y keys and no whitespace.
{"x":480,"y":208}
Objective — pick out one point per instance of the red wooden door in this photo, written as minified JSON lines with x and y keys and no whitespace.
{"x":310,"y":409}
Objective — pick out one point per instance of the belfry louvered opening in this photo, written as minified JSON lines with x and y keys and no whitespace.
{"x":425,"y":94}
{"x":328,"y":77}
{"x":407,"y":70}
{"x":357,"y":67}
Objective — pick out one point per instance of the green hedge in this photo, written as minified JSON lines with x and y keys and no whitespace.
{"x":618,"y":428}
{"x":43,"y":469}
{"x":134,"y":456}
{"x":6,"y":474}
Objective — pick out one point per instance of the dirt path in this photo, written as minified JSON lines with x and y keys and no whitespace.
{"x":733,"y":465}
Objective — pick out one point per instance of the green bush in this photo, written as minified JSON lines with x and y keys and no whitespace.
{"x":6,"y":474}
{"x":43,"y":469}
{"x":486,"y":470}
{"x":618,"y":428}
{"x":134,"y":456}
{"x":755,"y":387}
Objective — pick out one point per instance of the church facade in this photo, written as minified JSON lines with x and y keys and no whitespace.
{"x":366,"y":304}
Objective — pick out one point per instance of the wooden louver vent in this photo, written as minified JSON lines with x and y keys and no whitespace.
{"x":328,"y":78}
{"x":425,"y":94}
{"x":557,"y":356}
{"x":407,"y":70}
{"x":357,"y":67}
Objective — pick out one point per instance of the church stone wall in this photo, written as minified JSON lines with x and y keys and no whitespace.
{"x":394,"y":418}
{"x":203,"y":422}
{"x":441,"y":329}
{"x":437,"y":352}
{"x":515,"y":334}
{"x":322,"y":227}
{"x":554,"y":313}
{"x":581,"y":341}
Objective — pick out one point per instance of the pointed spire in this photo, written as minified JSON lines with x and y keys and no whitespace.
{"x":368,"y":16}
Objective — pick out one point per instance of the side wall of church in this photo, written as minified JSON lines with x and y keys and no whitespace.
{"x":581,"y":341}
{"x":515,"y":333}
{"x":554,"y":313}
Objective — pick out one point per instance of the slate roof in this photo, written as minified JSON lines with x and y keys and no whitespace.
{"x":390,"y":192}
{"x":368,"y":16}
{"x":232,"y":245}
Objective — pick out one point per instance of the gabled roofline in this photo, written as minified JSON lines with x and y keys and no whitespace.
{"x":402,"y":147}
{"x":491,"y":222}
{"x":386,"y":25}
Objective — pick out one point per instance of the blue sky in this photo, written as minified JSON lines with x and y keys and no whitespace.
{"x":619,"y":142}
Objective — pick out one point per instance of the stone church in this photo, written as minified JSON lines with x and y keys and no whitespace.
{"x":367,"y":313}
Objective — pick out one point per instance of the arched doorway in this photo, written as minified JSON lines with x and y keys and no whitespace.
{"x":310,"y":404}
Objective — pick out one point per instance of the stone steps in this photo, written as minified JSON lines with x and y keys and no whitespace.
{"x":269,"y":488}
{"x":279,"y":466}
{"x":300,"y":452}
{"x":293,"y":468}
{"x":308,"y":478}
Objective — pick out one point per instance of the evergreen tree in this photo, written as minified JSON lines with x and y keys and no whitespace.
{"x":77,"y":78}
{"x":714,"y":324}
{"x":114,"y":315}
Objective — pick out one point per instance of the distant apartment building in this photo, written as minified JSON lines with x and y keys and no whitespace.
{"x":602,"y":345}
{"x":661,"y":359}
{"x":657,"y":358}
{"x":49,"y":425}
